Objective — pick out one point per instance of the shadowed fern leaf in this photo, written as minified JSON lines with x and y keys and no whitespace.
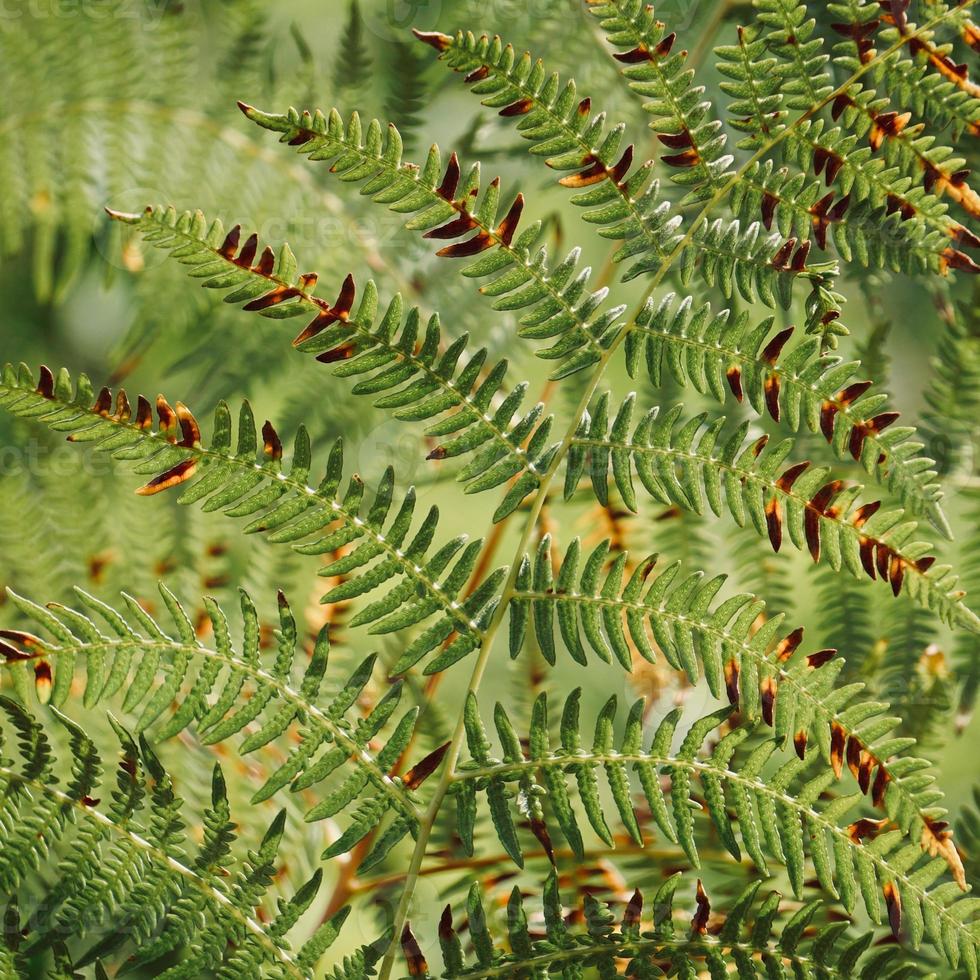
{"x":747,"y":938}
{"x":123,"y":871}
{"x":171,"y":680}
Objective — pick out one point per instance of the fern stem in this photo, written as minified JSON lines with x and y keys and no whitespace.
{"x":447,"y":776}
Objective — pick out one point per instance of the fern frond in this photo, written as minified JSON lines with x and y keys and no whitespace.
{"x":757,"y":667}
{"x":626,"y":206}
{"x":315,"y":520}
{"x":863,"y":177}
{"x":747,"y":938}
{"x":904,"y":233}
{"x":562,"y":128}
{"x":756,"y":88}
{"x":171,"y":680}
{"x":124,"y":871}
{"x":780,"y":813}
{"x":481,"y":417}
{"x":804,"y":387}
{"x":352,"y":67}
{"x":881,"y":217}
{"x":925,"y":79}
{"x":406,"y":85}
{"x":559,"y":302}
{"x":694,"y":464}
{"x":790,"y":36}
{"x":681,"y":114}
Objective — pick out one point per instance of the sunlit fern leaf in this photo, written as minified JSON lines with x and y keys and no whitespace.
{"x":627,"y":206}
{"x":750,"y":660}
{"x":425,"y":586}
{"x":746,"y":943}
{"x":681,"y":115}
{"x":880,"y":215}
{"x":713,"y":352}
{"x":560,"y":306}
{"x":696,"y":464}
{"x":755,"y":87}
{"x":410,"y":369}
{"x":913,"y":149}
{"x":910,"y":233}
{"x":123,"y":871}
{"x":779,"y":814}
{"x":171,"y":680}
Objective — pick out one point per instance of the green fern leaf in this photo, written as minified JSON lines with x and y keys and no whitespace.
{"x":748,"y":939}
{"x":314,"y":520}
{"x":481,"y":418}
{"x":804,"y":386}
{"x":695,"y":464}
{"x":125,"y":874}
{"x":779,"y":814}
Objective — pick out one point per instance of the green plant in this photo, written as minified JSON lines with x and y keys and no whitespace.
{"x":796,"y":768}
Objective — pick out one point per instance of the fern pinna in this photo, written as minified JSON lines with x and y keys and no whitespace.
{"x":708,"y":370}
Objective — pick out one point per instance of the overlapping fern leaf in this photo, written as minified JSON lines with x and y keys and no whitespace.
{"x":770,"y":808}
{"x":870,"y":208}
{"x":681,"y":116}
{"x":423,"y":584}
{"x":123,"y":881}
{"x":410,"y":370}
{"x":625,"y":203}
{"x":719,"y":354}
{"x":561,"y":306}
{"x":838,"y":150}
{"x":646,"y":941}
{"x":696,"y":464}
{"x":171,"y":680}
{"x":760,"y":669}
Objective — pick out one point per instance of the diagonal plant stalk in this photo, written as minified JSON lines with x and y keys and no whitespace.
{"x":447,"y":774}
